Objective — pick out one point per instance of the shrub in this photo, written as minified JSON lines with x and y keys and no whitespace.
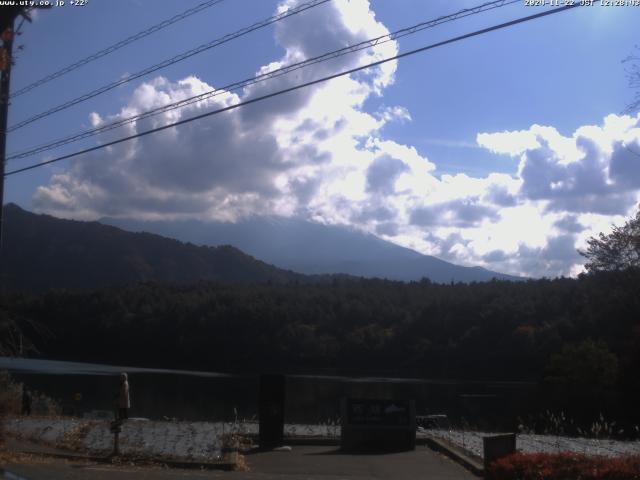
{"x":10,"y":395}
{"x":11,"y":399}
{"x":564,"y":466}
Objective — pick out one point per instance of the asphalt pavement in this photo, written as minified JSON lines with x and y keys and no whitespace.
{"x":301,"y":463}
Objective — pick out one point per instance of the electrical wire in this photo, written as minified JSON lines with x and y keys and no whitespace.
{"x":263,"y":77}
{"x":300,"y":86}
{"x":116,"y":46}
{"x":166,"y":63}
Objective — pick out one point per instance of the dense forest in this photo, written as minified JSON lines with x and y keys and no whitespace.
{"x":580,"y":338}
{"x":40,"y":252}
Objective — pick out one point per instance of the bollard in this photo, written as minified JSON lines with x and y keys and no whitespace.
{"x":116,"y":428}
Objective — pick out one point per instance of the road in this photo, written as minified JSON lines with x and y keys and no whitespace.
{"x":301,"y":463}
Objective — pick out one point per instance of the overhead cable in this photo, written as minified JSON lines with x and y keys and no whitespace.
{"x":178,"y":58}
{"x":299,"y":86}
{"x":116,"y":46}
{"x":261,"y":78}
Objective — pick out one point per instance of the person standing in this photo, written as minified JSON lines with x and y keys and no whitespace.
{"x":124,"y":402}
{"x":26,"y":400}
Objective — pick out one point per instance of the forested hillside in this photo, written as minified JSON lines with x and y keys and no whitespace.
{"x":41,"y":252}
{"x":313,"y":248}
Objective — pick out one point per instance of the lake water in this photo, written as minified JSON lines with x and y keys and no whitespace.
{"x":193,"y":395}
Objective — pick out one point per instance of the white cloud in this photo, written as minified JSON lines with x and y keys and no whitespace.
{"x":509,"y":143}
{"x":515,"y":143}
{"x":603,"y":178}
{"x":265,"y":158}
{"x":320,"y":154}
{"x":397,"y":113}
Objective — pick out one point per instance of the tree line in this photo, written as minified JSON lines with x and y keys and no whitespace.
{"x":574,"y":335}
{"x":579,"y":338}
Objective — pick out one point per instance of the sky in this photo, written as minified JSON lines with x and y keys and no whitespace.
{"x":507,"y":150}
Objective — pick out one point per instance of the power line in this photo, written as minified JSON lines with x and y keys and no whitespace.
{"x":275,"y":73}
{"x":116,"y":46}
{"x":298,"y":87}
{"x":263,"y":77}
{"x":630,"y":150}
{"x":178,"y":58}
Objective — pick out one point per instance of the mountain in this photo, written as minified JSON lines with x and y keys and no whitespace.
{"x":313,"y":248}
{"x":41,"y":252}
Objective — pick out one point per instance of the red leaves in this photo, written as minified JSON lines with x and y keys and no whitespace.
{"x":565,"y":466}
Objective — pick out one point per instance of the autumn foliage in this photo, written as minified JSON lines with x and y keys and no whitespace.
{"x":564,"y":466}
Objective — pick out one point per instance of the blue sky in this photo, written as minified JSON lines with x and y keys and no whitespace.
{"x":493,"y":151}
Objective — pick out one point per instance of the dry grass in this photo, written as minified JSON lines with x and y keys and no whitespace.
{"x":10,"y":395}
{"x":11,"y":399}
{"x":241,"y":464}
{"x":236,"y":442}
{"x":74,"y":439}
{"x":2,"y":444}
{"x":7,"y":457}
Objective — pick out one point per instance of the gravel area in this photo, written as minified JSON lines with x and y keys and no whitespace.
{"x":203,"y":441}
{"x":187,"y":441}
{"x":294,"y":430}
{"x":529,"y":443}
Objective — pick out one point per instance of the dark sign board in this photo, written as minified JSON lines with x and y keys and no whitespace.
{"x":388,"y":413}
{"x":497,"y":446}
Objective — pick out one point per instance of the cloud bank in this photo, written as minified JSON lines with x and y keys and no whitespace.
{"x":320,"y":154}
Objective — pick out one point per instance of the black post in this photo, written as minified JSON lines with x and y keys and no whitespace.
{"x":272,"y":398}
{"x":5,"y":78}
{"x":116,"y":429}
{"x":495,"y":447}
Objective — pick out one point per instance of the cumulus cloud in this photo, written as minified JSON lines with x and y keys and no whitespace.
{"x":594,"y":170}
{"x":266,"y":158}
{"x":319,"y":153}
{"x":555,"y":256}
{"x":510,"y":143}
{"x":396,"y":113}
{"x":463,"y":213}
{"x":383,"y":173}
{"x":570,"y":224}
{"x":517,"y":142}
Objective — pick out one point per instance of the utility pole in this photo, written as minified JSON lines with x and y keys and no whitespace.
{"x":5,"y":78}
{"x":8,"y":15}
